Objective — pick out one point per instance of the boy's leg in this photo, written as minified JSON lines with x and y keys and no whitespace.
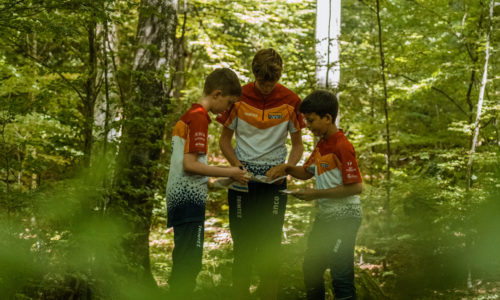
{"x":186,"y":258}
{"x":316,"y":261}
{"x":272,"y":207}
{"x":241,"y":215}
{"x":342,"y":261}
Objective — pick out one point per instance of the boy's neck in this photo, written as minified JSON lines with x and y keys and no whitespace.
{"x":332,"y":129}
{"x":205,"y":102}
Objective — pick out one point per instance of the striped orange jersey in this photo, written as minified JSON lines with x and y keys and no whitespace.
{"x":187,"y":194}
{"x":333,"y":162}
{"x":261,"y":124}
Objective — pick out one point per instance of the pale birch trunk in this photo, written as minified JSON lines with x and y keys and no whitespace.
{"x":476,"y":127}
{"x":480,"y":102}
{"x":328,"y":13}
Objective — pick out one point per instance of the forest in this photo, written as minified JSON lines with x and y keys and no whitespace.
{"x":90,"y":91}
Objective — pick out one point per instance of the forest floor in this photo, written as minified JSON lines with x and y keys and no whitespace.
{"x":215,"y":278}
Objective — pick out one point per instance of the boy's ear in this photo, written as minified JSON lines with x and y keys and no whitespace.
{"x":328,"y":117}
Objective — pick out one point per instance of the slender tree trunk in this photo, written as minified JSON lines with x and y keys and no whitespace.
{"x":106,"y":89}
{"x":6,"y":118}
{"x":468,"y":97}
{"x":479,"y":103}
{"x":144,"y":120}
{"x":372,"y":117}
{"x":474,"y":56}
{"x":496,"y":131}
{"x":34,"y":175}
{"x":90,"y":91}
{"x":476,"y":126}
{"x":179,"y":78}
{"x":20,"y":171}
{"x":386,"y":113}
{"x":328,"y":14}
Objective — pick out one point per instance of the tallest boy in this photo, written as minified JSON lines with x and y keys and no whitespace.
{"x":262,"y":118}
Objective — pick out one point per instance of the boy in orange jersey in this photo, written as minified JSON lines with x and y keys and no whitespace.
{"x":338,"y":183}
{"x":187,"y":179}
{"x":262,"y":118}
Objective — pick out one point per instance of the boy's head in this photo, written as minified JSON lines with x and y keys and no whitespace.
{"x":267,"y":66}
{"x":223,"y":79}
{"x":223,"y":87}
{"x":320,"y":110}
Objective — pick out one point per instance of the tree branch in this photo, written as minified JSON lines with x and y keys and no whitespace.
{"x":55,"y":71}
{"x":439,"y":91}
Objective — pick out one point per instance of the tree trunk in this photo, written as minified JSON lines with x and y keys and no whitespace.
{"x":480,"y":102}
{"x":107,"y":113}
{"x":327,"y":45}
{"x":91,"y":92}
{"x":179,"y":78}
{"x":6,"y":118}
{"x":477,"y":124}
{"x":144,"y":117}
{"x":177,"y":82}
{"x":386,"y":112}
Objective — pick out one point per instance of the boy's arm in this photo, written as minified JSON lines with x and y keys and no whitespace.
{"x":297,"y":148}
{"x":227,"y":148}
{"x":298,"y":172}
{"x":340,"y":191}
{"x":191,"y":165}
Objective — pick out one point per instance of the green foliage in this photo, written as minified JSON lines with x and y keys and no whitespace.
{"x":54,"y":229}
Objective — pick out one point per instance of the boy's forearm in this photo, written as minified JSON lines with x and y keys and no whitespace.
{"x":295,"y":154}
{"x":198,"y":168}
{"x":228,"y":152}
{"x":298,"y":172}
{"x":227,"y":148}
{"x":297,"y":148}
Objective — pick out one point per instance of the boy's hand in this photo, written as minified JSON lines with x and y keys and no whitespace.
{"x":239,"y":174}
{"x":306,"y":195}
{"x":277,"y":171}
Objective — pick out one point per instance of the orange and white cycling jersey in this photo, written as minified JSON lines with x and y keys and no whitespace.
{"x":261,"y":124}
{"x":333,"y":162}
{"x":187,"y":193}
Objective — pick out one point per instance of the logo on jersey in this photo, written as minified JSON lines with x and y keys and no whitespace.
{"x":324,"y":165}
{"x":272,"y":116}
{"x":250,"y":114}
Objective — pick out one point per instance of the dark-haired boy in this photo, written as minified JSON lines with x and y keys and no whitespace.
{"x":261,"y":120}
{"x":338,"y":183}
{"x":187,"y":180}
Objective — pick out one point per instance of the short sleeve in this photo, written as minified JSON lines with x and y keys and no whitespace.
{"x":296,"y":122}
{"x":229,"y":118}
{"x":197,"y":134}
{"x":349,"y":169}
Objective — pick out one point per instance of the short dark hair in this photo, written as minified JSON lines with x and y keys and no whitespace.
{"x":320,"y":102}
{"x":267,"y":65}
{"x":223,"y":79}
